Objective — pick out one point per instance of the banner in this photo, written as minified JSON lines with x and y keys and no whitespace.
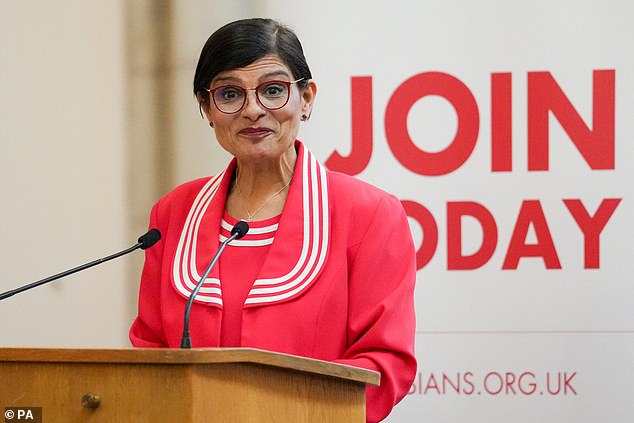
{"x":505,"y":129}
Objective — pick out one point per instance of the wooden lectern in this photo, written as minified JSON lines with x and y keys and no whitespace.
{"x":174,"y":385}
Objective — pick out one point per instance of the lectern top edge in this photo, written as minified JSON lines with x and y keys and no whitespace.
{"x":196,"y":356}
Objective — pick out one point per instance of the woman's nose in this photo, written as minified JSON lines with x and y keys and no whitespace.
{"x":252,"y":107}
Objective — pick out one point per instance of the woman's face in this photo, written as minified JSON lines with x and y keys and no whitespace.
{"x":255,"y":133}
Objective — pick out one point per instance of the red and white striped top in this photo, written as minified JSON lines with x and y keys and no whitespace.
{"x":240,"y":264}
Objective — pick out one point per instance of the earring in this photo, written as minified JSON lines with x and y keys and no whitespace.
{"x":211,"y":124}
{"x":304,"y":118}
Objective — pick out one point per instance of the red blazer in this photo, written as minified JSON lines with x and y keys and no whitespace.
{"x":337,"y":283}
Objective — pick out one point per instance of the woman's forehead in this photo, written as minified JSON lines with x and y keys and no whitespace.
{"x":268,"y":67}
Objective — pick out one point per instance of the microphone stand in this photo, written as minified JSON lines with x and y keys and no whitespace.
{"x":145,"y":241}
{"x":238,"y":231}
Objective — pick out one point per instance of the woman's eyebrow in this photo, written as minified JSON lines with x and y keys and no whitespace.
{"x":225,"y":78}
{"x":274,"y":73}
{"x":264,"y":77}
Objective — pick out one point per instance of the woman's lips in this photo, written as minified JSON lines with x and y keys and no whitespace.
{"x":255,"y":132}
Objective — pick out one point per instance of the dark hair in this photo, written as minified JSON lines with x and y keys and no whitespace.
{"x":240,"y":43}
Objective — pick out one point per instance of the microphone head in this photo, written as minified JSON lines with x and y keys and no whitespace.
{"x":241,"y":228}
{"x":150,"y":238}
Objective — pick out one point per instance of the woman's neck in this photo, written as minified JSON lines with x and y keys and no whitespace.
{"x":259,"y":189}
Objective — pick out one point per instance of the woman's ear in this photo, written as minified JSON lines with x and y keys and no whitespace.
{"x":203,"y":106}
{"x":308,"y":99}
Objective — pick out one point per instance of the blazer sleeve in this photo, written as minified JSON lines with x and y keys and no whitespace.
{"x":147,"y":329}
{"x":381,"y":320}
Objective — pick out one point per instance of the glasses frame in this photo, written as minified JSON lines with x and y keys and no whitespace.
{"x":288,"y":84}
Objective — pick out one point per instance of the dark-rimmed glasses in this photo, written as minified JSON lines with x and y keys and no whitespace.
{"x":272,"y":95}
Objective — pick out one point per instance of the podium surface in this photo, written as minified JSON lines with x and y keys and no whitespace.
{"x":175,"y":385}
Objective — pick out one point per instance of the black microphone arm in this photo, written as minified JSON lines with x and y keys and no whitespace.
{"x":239,"y":230}
{"x":145,"y":241}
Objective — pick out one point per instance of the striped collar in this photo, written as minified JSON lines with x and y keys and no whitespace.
{"x":296,"y":256}
{"x":260,"y":233}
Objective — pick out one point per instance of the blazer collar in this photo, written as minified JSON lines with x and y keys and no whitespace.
{"x":295,"y":258}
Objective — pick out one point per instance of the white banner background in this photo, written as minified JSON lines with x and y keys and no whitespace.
{"x":493,"y":332}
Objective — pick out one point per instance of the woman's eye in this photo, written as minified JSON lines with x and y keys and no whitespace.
{"x":229,"y":93}
{"x":273,"y":90}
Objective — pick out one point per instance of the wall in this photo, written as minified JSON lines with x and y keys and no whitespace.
{"x":63,"y":171}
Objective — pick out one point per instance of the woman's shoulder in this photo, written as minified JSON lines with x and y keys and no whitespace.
{"x":357,"y":191}
{"x":358,"y":207}
{"x":358,"y":201}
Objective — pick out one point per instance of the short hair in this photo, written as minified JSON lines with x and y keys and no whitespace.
{"x":240,"y":43}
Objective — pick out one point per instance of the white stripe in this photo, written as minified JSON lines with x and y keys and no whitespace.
{"x":309,"y":273}
{"x":193,"y":269}
{"x":247,"y":243}
{"x":313,"y":251}
{"x":326,"y":224}
{"x":252,"y":231}
{"x":306,"y":231}
{"x":179,"y":272}
{"x":182,"y":281}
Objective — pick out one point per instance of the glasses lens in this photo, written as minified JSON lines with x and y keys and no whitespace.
{"x":273,"y":94}
{"x":229,"y":99}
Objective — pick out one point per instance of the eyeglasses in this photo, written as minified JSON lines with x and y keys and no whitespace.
{"x":272,"y":95}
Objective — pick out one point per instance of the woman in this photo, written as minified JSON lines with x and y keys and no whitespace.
{"x":327,"y":269}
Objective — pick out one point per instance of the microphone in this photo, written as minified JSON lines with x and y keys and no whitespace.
{"x":238,"y":231}
{"x":144,"y":242}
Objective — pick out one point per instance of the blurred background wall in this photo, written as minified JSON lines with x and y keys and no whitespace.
{"x":97,"y":121}
{"x":64,"y":171}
